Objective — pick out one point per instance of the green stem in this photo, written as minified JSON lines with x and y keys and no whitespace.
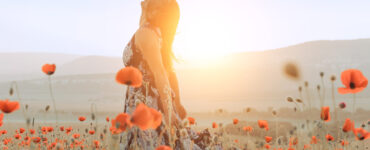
{"x":53,"y":99}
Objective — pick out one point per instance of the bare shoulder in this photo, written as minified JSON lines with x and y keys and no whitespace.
{"x":147,"y":40}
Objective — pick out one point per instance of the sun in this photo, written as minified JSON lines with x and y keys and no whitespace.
{"x":204,"y":41}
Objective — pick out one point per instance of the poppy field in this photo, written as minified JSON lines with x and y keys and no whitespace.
{"x":336,"y":127}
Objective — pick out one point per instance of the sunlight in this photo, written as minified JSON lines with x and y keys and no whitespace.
{"x":204,"y":42}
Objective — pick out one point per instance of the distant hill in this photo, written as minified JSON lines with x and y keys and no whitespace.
{"x":249,"y":79}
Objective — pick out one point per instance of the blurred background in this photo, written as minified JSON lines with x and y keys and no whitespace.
{"x":231,"y":52}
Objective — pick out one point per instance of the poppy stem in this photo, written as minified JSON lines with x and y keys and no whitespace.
{"x":19,"y":98}
{"x":354,"y":105}
{"x":53,"y":99}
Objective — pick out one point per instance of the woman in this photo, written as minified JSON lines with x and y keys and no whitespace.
{"x":150,"y":50}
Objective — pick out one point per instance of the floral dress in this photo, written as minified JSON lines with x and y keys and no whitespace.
{"x":182,"y":138}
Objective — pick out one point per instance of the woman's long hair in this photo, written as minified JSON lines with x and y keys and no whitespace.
{"x":166,"y":18}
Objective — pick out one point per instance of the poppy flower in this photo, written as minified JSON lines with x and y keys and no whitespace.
{"x":163,"y":147}
{"x":120,"y":123}
{"x":91,"y":132}
{"x":76,"y":135}
{"x":36,"y":139}
{"x":1,"y":119}
{"x":32,"y":131}
{"x":235,"y":121}
{"x":263,"y":124}
{"x":82,"y":118}
{"x":214,"y":125}
{"x":50,"y":129}
{"x":96,"y":143}
{"x":61,"y":128}
{"x":191,"y":120}
{"x":313,"y":140}
{"x":329,"y":137}
{"x":344,"y":143}
{"x":306,"y":146}
{"x":353,"y":80}
{"x":145,"y":117}
{"x":267,"y":146}
{"x":17,"y":136}
{"x":268,"y":139}
{"x":248,"y":128}
{"x":325,"y":114}
{"x":7,"y":106}
{"x":293,"y":141}
{"x":49,"y":69}
{"x":361,"y":134}
{"x":107,"y":119}
{"x":348,"y":125}
{"x":21,"y":130}
{"x":129,"y":76}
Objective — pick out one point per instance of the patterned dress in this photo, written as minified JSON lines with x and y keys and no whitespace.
{"x":185,"y":138}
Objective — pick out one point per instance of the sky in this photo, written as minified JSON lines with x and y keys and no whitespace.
{"x":207,"y":28}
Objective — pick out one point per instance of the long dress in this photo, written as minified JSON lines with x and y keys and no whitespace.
{"x":148,"y":94}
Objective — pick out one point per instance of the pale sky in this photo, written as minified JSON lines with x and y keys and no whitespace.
{"x":207,"y":27}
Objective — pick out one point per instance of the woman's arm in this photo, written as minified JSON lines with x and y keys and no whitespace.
{"x":175,"y":86}
{"x":148,"y":43}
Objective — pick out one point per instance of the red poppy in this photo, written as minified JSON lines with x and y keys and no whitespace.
{"x":92,"y":132}
{"x":163,"y":147}
{"x":248,"y":128}
{"x":306,"y":146}
{"x":235,"y":121}
{"x":82,"y":118}
{"x":76,"y":135}
{"x":32,"y":131}
{"x":214,"y":125}
{"x":267,"y":146}
{"x":36,"y":139}
{"x":325,"y":114}
{"x":1,"y":119}
{"x":344,"y":143}
{"x":7,"y":106}
{"x":361,"y":134}
{"x":50,"y":129}
{"x":348,"y":125}
{"x":96,"y":143}
{"x":61,"y":128}
{"x":107,"y":119}
{"x":293,"y":141}
{"x":120,"y":123}
{"x":129,"y":76}
{"x":313,"y":140}
{"x":49,"y":69}
{"x":268,"y":139}
{"x":263,"y":124}
{"x":17,"y":136}
{"x":329,"y":137}
{"x":145,"y":117}
{"x":21,"y":130}
{"x":191,"y":120}
{"x":353,"y":80}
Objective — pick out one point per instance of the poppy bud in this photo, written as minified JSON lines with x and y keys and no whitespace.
{"x":321,"y":74}
{"x":47,"y":108}
{"x":274,"y":112}
{"x":306,"y":83}
{"x":318,"y":87}
{"x":299,"y":100}
{"x":333,"y":78}
{"x":300,"y":89}
{"x":342,"y":105}
{"x":289,"y":99}
{"x":11,"y":91}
